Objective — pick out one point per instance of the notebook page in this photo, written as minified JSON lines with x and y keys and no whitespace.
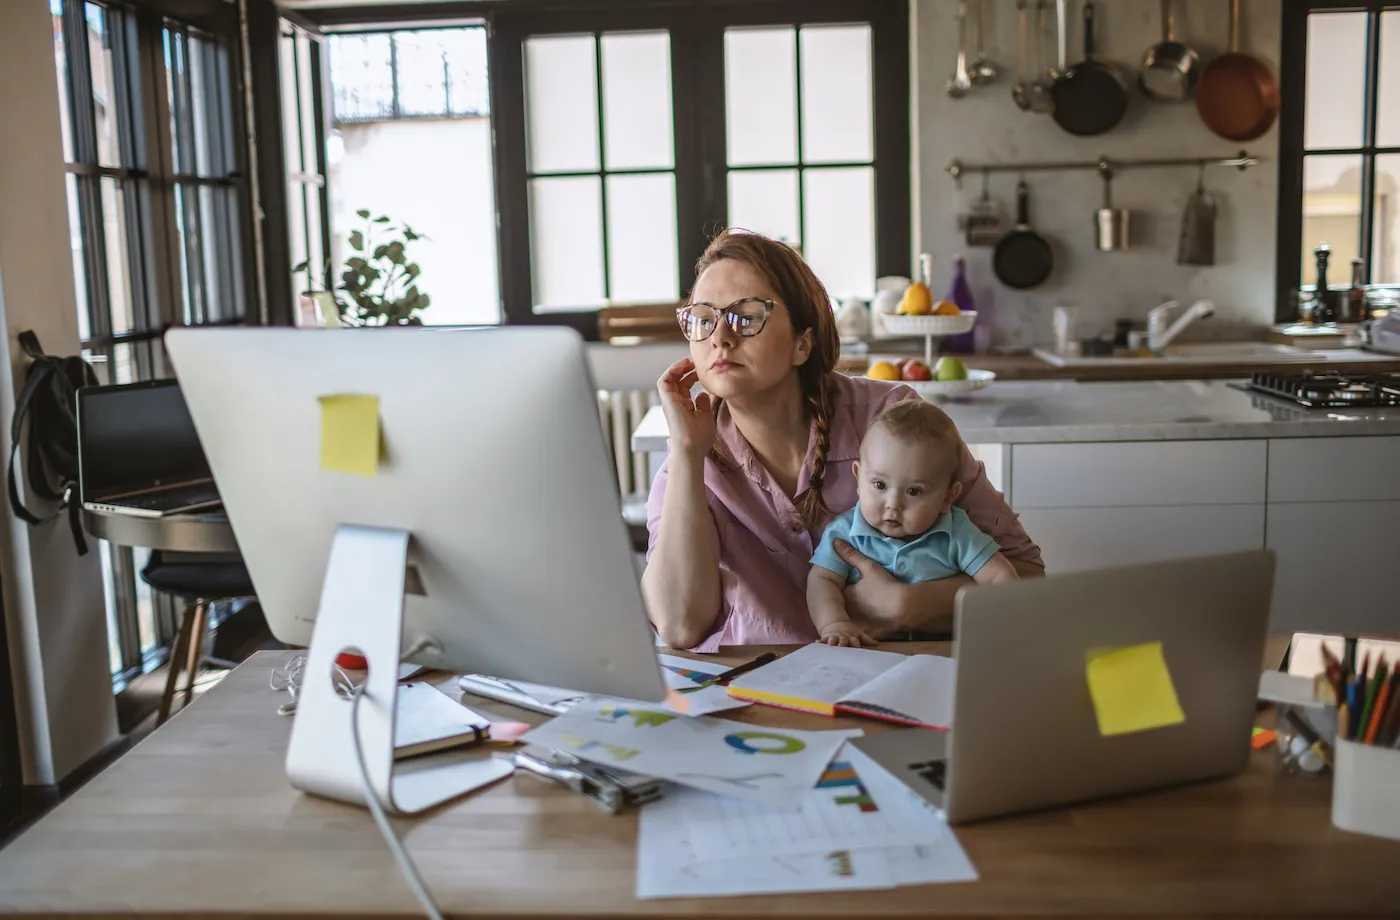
{"x":820,"y":674}
{"x":920,"y":688}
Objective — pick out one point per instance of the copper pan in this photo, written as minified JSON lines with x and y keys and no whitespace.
{"x":1237,"y":97}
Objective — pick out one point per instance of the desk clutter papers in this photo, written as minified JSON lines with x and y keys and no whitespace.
{"x":689,"y":679}
{"x":858,"y":828}
{"x":906,"y":689}
{"x":427,"y":720}
{"x":773,"y":766}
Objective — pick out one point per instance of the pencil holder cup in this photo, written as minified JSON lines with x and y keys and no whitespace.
{"x":1297,"y":728}
{"x":1366,"y":789}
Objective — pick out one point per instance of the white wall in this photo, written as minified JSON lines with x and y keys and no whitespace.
{"x":434,"y":174}
{"x":53,"y":599}
{"x":986,"y":125}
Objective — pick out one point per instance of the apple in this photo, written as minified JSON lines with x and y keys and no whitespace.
{"x":949,"y":369}
{"x":916,"y":370}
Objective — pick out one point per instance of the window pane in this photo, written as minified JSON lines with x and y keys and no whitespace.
{"x":468,"y":85}
{"x":201,"y":88}
{"x":361,"y":75}
{"x":291,"y":115}
{"x":307,"y":108}
{"x":421,"y":59}
{"x":214,"y":249}
{"x":189,"y":294}
{"x":642,"y":238}
{"x":1388,"y":126}
{"x":123,"y":364}
{"x":75,"y":243}
{"x":760,"y":96}
{"x":836,"y":109}
{"x":1386,"y":244}
{"x":104,"y":84}
{"x":109,"y":584}
{"x":1336,"y":80}
{"x":114,"y":233}
{"x":566,"y":229}
{"x":637,"y":131}
{"x":561,"y":97}
{"x":839,"y":243}
{"x":65,"y":112}
{"x":145,"y":604}
{"x":765,"y":201}
{"x":296,"y":220}
{"x":1331,"y":214}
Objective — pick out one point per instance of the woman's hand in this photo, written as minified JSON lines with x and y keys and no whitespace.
{"x":878,"y":598}
{"x":691,"y":422}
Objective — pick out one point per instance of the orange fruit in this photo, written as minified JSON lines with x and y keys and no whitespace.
{"x":946,"y":308}
{"x":883,"y":370}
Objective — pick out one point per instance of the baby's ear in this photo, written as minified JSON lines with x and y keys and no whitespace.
{"x":855,"y":469}
{"x":954,"y":493}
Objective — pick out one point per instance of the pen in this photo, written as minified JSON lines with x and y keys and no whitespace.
{"x":760,"y":661}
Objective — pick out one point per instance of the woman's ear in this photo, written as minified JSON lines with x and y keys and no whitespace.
{"x":802,"y":349}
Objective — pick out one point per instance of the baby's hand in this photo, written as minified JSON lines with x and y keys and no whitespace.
{"x":846,"y":633}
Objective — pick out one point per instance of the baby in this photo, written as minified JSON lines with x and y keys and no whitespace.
{"x":905,"y":519}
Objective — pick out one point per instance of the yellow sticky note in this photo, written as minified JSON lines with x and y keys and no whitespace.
{"x":350,"y":434}
{"x":1132,"y":689}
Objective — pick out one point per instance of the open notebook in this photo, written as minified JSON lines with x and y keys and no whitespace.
{"x":908,"y":689}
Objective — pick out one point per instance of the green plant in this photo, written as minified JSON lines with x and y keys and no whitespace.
{"x":380,"y":283}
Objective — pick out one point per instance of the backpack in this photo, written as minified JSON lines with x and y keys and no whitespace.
{"x":49,"y":401}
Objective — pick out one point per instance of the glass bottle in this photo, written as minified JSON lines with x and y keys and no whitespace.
{"x":1323,"y":311}
{"x":1355,"y":301}
{"x":960,"y":293}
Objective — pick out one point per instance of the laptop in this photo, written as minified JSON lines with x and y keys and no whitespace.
{"x":1025,"y":735}
{"x":138,"y":452}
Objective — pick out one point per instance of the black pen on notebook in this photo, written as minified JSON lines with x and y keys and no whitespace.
{"x":727,"y":676}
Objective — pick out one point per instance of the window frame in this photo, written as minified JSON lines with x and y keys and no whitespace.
{"x":697,"y":48}
{"x":1293,"y":150}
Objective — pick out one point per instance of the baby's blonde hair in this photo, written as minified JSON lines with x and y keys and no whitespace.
{"x":919,"y":422}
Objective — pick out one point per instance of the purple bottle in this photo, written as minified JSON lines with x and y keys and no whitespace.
{"x":960,"y":293}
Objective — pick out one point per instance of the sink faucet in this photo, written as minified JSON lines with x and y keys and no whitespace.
{"x":1159,"y":335}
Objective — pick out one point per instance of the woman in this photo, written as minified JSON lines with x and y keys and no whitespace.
{"x":761,"y":460}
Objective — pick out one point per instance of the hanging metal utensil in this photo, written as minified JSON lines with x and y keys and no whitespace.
{"x":1170,"y":69}
{"x":1021,"y":91}
{"x":1112,"y":226}
{"x":982,"y":70}
{"x":1041,"y":93}
{"x":1196,"y":245}
{"x":1092,"y":96}
{"x":1238,"y":97}
{"x":985,"y":221}
{"x":960,"y":83}
{"x":1023,"y":258}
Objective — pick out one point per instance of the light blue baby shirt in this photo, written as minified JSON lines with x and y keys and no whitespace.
{"x":951,"y":546}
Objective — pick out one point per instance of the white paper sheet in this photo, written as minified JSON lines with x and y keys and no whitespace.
{"x":688,"y":678}
{"x":855,"y":804}
{"x":820,"y":673}
{"x":775,"y":766}
{"x":675,"y":848}
{"x":920,"y":688}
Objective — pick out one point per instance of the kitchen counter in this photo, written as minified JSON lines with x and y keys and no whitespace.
{"x":1060,"y":411}
{"x":1022,"y":412}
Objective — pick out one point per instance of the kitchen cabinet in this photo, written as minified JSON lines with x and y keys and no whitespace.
{"x":1138,"y":473}
{"x":1078,"y":539}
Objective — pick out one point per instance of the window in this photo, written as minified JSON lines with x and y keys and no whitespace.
{"x":626,"y":137}
{"x":1339,"y":144}
{"x":304,"y":146}
{"x":158,"y":213}
{"x":411,"y":140}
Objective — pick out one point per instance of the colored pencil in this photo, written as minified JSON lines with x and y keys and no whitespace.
{"x":1382,"y":700}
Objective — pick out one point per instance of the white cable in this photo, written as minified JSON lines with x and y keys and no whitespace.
{"x":406,"y":866}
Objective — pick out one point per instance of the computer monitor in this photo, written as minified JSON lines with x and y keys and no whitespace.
{"x":493,"y":461}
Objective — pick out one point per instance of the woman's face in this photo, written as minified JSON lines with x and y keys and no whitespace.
{"x":731,"y":366}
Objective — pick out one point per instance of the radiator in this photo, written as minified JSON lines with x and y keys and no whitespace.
{"x":621,"y":412}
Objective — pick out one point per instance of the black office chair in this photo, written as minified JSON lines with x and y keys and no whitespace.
{"x":201,"y":583}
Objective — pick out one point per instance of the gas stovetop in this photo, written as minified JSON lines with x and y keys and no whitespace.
{"x":1330,"y":391}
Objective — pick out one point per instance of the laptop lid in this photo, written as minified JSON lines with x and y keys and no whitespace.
{"x":1025,"y":734}
{"x":135,"y":436}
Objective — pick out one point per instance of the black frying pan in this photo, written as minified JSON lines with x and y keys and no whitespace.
{"x":1092,"y":96}
{"x":1022,"y":258}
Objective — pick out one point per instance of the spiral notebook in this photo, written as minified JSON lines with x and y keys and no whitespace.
{"x":912,"y":690}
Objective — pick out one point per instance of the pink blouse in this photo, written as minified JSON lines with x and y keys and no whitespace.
{"x":764,"y":550}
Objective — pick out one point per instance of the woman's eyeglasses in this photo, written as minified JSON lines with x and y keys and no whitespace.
{"x":746,"y":317}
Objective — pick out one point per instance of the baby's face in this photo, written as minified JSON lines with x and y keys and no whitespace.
{"x":903,"y":486}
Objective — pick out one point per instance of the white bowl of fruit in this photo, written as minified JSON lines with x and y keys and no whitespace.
{"x":948,"y":377}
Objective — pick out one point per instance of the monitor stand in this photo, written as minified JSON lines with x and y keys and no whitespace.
{"x":362,"y":605}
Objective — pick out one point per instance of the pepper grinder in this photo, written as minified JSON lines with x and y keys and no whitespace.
{"x":1324,"y":312}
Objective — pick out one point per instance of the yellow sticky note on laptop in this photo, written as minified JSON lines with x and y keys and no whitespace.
{"x":1132,"y":689}
{"x":350,"y":434}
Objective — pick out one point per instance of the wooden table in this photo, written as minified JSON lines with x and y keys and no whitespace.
{"x":198,"y":821}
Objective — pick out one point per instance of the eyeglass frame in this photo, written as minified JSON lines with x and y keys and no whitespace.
{"x":727,"y":314}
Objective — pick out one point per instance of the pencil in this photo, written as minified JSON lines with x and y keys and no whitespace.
{"x":1343,"y":719}
{"x":1382,"y":699}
